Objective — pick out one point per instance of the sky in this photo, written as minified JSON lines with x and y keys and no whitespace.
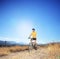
{"x":18,"y":17}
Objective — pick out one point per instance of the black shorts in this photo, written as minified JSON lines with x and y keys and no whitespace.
{"x":33,"y":39}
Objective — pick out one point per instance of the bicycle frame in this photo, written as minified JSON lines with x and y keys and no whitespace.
{"x":32,"y":45}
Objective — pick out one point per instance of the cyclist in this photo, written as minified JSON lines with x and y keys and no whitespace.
{"x":33,"y":35}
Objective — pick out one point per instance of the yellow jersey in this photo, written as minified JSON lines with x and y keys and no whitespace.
{"x":33,"y":34}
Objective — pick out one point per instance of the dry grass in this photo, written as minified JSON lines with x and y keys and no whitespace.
{"x":54,"y":51}
{"x":8,"y":50}
{"x":4,"y":51}
{"x":18,"y":48}
{"x":54,"y":48}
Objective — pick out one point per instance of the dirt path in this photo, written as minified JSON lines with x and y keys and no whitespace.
{"x":34,"y":54}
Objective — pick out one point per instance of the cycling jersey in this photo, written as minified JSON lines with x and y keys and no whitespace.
{"x":33,"y":34}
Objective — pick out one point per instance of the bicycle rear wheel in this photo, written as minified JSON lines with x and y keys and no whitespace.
{"x":35,"y":46}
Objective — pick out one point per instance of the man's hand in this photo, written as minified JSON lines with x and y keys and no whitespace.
{"x":28,"y":37}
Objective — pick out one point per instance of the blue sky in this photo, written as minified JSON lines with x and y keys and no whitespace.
{"x":18,"y":17}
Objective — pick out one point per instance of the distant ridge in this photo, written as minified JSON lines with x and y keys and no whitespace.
{"x":10,"y":43}
{"x":51,"y":43}
{"x":7,"y":43}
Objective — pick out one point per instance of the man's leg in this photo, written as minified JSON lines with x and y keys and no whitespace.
{"x":35,"y":41}
{"x":35,"y":45}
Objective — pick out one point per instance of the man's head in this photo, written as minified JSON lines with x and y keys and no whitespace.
{"x":33,"y":29}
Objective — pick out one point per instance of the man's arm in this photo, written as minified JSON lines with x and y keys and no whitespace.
{"x":29,"y":36}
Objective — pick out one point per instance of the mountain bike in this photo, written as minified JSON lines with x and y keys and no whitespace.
{"x":32,"y":45}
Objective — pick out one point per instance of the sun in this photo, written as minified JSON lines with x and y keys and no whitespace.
{"x":24,"y":28}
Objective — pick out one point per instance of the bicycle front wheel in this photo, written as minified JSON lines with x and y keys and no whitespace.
{"x":30,"y":46}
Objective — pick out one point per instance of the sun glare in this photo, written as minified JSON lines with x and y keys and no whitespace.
{"x":24,"y":28}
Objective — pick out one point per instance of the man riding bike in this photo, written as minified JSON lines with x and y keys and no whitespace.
{"x":33,"y":36}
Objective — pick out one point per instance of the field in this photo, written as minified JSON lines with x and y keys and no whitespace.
{"x":7,"y":50}
{"x":49,"y":51}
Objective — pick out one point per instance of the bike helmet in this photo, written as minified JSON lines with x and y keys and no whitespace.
{"x":33,"y":29}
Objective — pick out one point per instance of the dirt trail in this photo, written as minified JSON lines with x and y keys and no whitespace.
{"x":34,"y":54}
